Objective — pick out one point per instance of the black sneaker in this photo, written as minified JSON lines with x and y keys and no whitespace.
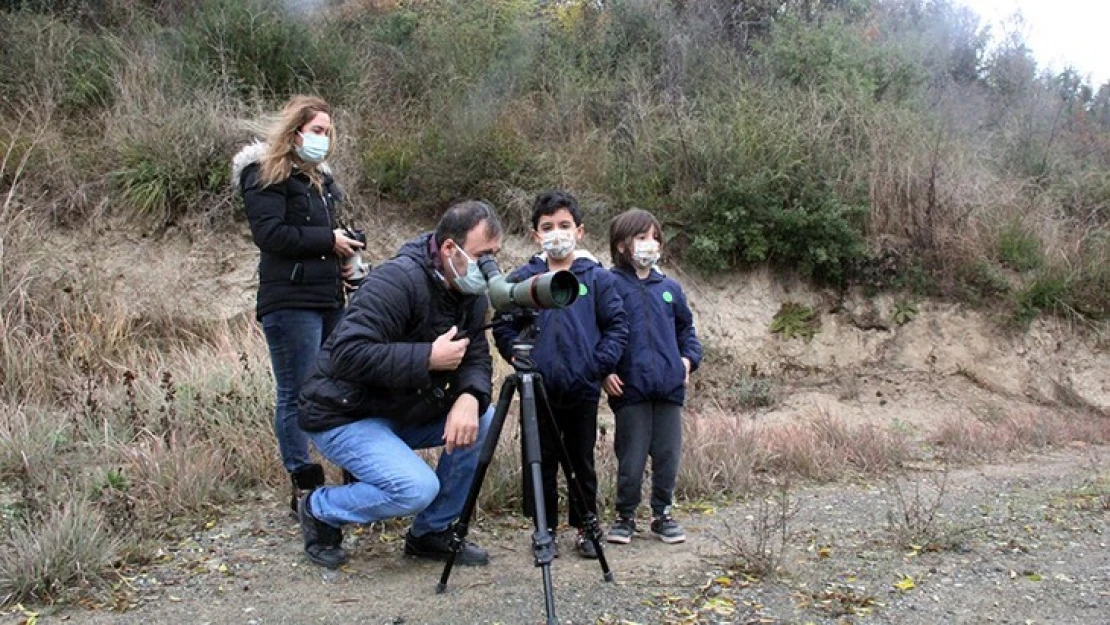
{"x":437,"y":546}
{"x":322,"y":542}
{"x":667,"y":529}
{"x":621,"y":530}
{"x":585,"y":546}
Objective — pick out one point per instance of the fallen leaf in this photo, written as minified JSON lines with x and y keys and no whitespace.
{"x":906,"y":584}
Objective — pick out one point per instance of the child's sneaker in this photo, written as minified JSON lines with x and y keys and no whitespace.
{"x":667,"y":529}
{"x":621,"y":530}
{"x":585,"y":546}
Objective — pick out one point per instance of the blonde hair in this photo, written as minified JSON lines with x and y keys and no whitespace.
{"x":277,"y":163}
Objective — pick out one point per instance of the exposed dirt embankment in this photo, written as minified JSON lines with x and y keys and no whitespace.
{"x":943,"y":359}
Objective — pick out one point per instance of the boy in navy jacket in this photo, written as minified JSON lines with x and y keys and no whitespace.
{"x":575,"y":349}
{"x":648,"y":388}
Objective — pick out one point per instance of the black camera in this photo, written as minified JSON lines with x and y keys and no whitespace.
{"x":553,"y":289}
{"x":359,"y":267}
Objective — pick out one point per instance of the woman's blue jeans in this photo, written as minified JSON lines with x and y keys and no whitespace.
{"x":294,"y":336}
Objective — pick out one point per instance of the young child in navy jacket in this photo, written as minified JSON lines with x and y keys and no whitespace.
{"x":575,"y":349}
{"x":648,"y":388}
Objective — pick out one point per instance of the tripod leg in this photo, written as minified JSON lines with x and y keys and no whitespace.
{"x":589,"y":519}
{"x":462,"y":525}
{"x":543,"y":543}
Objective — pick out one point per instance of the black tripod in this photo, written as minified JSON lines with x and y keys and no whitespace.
{"x":530,"y":383}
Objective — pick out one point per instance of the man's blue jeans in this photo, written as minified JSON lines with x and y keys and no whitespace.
{"x":294,"y":336}
{"x":393,"y":480}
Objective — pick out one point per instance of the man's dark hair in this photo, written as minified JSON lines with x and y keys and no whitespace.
{"x":550,"y":202}
{"x":462,"y":217}
{"x":624,"y":228}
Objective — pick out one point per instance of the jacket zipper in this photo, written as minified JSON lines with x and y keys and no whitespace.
{"x":327,"y":214}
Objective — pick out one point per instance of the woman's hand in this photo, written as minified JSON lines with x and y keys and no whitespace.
{"x":344,"y":245}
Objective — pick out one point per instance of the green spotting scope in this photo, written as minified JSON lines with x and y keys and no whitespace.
{"x":554,"y":289}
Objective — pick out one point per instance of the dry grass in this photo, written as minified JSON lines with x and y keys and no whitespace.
{"x":825,"y":447}
{"x":760,"y":548}
{"x":720,"y":455}
{"x":55,"y":553}
{"x":992,"y":437}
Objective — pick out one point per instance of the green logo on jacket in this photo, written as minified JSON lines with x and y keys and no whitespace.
{"x":582,"y":290}
{"x":667,"y":297}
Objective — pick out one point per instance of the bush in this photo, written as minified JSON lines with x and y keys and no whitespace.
{"x":54,"y":60}
{"x":1019,"y":248}
{"x":169,"y":167}
{"x":252,"y":49}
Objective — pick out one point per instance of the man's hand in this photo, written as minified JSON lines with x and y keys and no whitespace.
{"x":447,"y":353}
{"x":686,"y":362}
{"x":461,"y":429}
{"x":613,"y":385}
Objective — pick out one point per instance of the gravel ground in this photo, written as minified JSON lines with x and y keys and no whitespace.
{"x":1024,"y":542}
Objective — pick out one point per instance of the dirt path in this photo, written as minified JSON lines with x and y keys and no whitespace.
{"x":1019,"y":543}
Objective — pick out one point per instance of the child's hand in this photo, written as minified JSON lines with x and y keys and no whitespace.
{"x":686,"y":362}
{"x":613,"y":385}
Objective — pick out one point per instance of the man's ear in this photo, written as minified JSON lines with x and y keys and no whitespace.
{"x":579,"y":232}
{"x":537,"y":237}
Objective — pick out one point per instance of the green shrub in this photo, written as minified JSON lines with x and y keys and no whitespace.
{"x":168,"y":168}
{"x":253,"y":49}
{"x":1048,"y":292}
{"x":48,"y":57}
{"x":1019,"y":248}
{"x":981,"y":281}
{"x":795,"y":320}
{"x":754,"y":222}
{"x":459,"y":161}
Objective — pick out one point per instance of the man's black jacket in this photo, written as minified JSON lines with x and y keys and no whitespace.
{"x":375,"y":363}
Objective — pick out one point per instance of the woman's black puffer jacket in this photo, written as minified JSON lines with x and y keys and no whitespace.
{"x":292,"y":223}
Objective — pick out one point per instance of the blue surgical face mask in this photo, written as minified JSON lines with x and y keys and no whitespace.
{"x":473,"y":282}
{"x":313,"y":147}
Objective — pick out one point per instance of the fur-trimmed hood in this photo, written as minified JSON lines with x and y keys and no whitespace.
{"x":253,"y":153}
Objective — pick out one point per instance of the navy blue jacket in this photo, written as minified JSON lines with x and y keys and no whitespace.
{"x":660,"y":333}
{"x":375,"y":363}
{"x":577,"y":346}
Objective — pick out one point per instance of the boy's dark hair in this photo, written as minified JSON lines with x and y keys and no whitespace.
{"x":462,"y":217}
{"x":626,"y":226}
{"x":550,"y":202}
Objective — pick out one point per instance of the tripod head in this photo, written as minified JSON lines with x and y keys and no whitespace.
{"x":523,"y":320}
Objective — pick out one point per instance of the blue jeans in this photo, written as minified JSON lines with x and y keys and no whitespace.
{"x":294,"y":336}
{"x":393,"y":480}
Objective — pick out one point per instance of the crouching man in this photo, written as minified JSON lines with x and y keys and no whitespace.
{"x":407,"y":368}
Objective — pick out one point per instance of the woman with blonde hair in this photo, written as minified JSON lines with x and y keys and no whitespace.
{"x":291,"y":199}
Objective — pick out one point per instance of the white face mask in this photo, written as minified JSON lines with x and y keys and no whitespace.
{"x":558,"y":244}
{"x":645,"y":253}
{"x":313,"y":147}
{"x":473,"y":282}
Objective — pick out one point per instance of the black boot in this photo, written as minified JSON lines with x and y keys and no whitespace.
{"x":304,"y":480}
{"x":322,"y":542}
